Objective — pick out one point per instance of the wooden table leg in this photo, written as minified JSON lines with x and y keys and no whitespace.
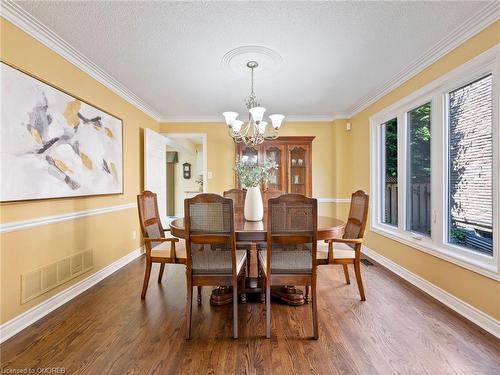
{"x":253,"y":272}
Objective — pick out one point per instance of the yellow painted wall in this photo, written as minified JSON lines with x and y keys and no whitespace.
{"x":221,"y":155}
{"x":340,"y":166}
{"x":109,"y":235}
{"x":479,"y":291}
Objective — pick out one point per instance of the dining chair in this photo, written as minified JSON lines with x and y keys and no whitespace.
{"x":290,"y":257}
{"x":238,"y":196}
{"x":347,"y":250}
{"x":266,"y":195}
{"x":159,"y":244}
{"x":212,"y":258}
{"x":270,"y":194}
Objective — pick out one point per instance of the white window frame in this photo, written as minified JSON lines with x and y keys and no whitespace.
{"x":436,"y":93}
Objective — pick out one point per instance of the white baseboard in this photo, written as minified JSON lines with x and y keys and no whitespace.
{"x":469,"y":312}
{"x":29,"y":317}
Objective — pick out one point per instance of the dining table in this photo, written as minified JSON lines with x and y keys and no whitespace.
{"x":252,"y":236}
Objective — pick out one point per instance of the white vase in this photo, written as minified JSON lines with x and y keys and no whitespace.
{"x":254,"y":209}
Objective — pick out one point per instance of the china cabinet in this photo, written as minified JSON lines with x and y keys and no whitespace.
{"x":293,"y":157}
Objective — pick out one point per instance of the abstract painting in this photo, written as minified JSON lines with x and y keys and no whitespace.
{"x":54,"y":145}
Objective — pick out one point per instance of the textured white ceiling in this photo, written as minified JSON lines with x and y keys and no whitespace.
{"x":333,"y":53}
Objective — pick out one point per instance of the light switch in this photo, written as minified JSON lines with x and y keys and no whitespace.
{"x":210,"y":175}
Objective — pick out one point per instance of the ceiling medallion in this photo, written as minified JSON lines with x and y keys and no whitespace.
{"x":235,"y":60}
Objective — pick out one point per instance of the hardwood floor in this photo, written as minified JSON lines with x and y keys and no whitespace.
{"x":108,"y":329}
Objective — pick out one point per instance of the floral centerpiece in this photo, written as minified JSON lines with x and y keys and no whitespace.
{"x":250,"y":177}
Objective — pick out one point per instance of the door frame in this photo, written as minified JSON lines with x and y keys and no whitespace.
{"x":205,"y":151}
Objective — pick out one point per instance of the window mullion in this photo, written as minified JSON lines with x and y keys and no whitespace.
{"x":402,"y":152}
{"x":438,"y":169}
{"x":496,"y":163}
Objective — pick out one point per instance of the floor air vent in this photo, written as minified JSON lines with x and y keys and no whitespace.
{"x":43,"y":279}
{"x":366,"y":262}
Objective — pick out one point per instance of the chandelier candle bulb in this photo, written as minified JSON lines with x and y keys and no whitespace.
{"x":257,"y":113}
{"x":236,"y":126}
{"x":276,"y":120}
{"x":230,"y":117}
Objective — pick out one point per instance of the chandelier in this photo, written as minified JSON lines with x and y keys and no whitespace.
{"x":253,"y":132}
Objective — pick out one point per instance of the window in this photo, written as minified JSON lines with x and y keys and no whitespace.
{"x":390,"y":172}
{"x":418,"y":191}
{"x":470,"y":166}
{"x":435,"y":167}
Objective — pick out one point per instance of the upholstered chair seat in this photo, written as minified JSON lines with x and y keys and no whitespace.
{"x":340,"y":251}
{"x":163,"y":251}
{"x":217,"y":262}
{"x":288,"y":261}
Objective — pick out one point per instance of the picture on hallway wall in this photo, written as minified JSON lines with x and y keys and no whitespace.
{"x":53,"y":145}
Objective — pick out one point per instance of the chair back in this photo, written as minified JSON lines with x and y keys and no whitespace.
{"x":238,"y":196}
{"x":149,"y":218}
{"x":358,"y":214}
{"x":210,"y":239}
{"x":292,"y":223}
{"x":270,"y":194}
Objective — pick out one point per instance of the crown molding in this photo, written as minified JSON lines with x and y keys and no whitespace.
{"x":218,"y":120}
{"x":29,"y":24}
{"x":309,"y":118}
{"x":213,"y":119}
{"x":478,"y":22}
{"x":22,"y":19}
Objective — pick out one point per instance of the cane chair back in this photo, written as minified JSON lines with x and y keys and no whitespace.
{"x":210,"y":240}
{"x":292,"y":234}
{"x":270,"y":194}
{"x":238,"y":196}
{"x":149,"y":217}
{"x":358,"y":214}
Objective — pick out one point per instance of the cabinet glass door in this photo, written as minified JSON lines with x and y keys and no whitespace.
{"x":275,"y":153}
{"x":297,"y":176}
{"x":250,"y":156}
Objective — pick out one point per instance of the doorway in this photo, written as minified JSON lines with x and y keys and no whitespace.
{"x":186,"y":170}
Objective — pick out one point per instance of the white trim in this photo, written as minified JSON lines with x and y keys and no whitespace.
{"x":334,"y":200}
{"x":485,"y":63}
{"x":468,"y":311}
{"x":22,"y":19}
{"x":478,"y":22}
{"x":46,"y":220}
{"x":29,"y":317}
{"x":439,"y":252}
{"x":470,"y":67}
{"x":26,"y":22}
{"x":219,"y":120}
